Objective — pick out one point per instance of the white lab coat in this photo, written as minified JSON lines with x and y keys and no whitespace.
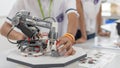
{"x":58,"y":7}
{"x":91,"y":10}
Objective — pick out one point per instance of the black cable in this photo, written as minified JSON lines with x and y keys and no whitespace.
{"x":8,"y":35}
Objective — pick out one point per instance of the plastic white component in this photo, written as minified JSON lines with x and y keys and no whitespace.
{"x":48,"y":46}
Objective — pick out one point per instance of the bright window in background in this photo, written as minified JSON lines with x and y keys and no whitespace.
{"x":106,"y":9}
{"x":5,"y":6}
{"x":111,"y":8}
{"x":113,"y":0}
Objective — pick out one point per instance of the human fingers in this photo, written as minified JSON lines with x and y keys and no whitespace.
{"x":61,"y":41}
{"x":71,"y":51}
{"x":66,"y":46}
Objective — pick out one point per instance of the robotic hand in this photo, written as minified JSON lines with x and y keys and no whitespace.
{"x":34,"y":45}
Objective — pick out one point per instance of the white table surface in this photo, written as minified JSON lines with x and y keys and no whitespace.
{"x":114,"y":64}
{"x":88,"y":45}
{"x":46,"y":61}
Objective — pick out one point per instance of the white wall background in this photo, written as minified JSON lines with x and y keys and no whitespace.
{"x":5,"y":6}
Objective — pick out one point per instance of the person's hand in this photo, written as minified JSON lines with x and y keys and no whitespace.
{"x":107,"y":34}
{"x":117,"y":44}
{"x":39,"y":35}
{"x":19,"y":36}
{"x":67,"y":46}
{"x":80,"y":40}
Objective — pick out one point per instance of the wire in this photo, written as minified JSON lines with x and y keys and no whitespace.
{"x":50,"y":18}
{"x":8,"y":35}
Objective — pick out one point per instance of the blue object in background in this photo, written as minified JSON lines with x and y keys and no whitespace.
{"x":108,"y":21}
